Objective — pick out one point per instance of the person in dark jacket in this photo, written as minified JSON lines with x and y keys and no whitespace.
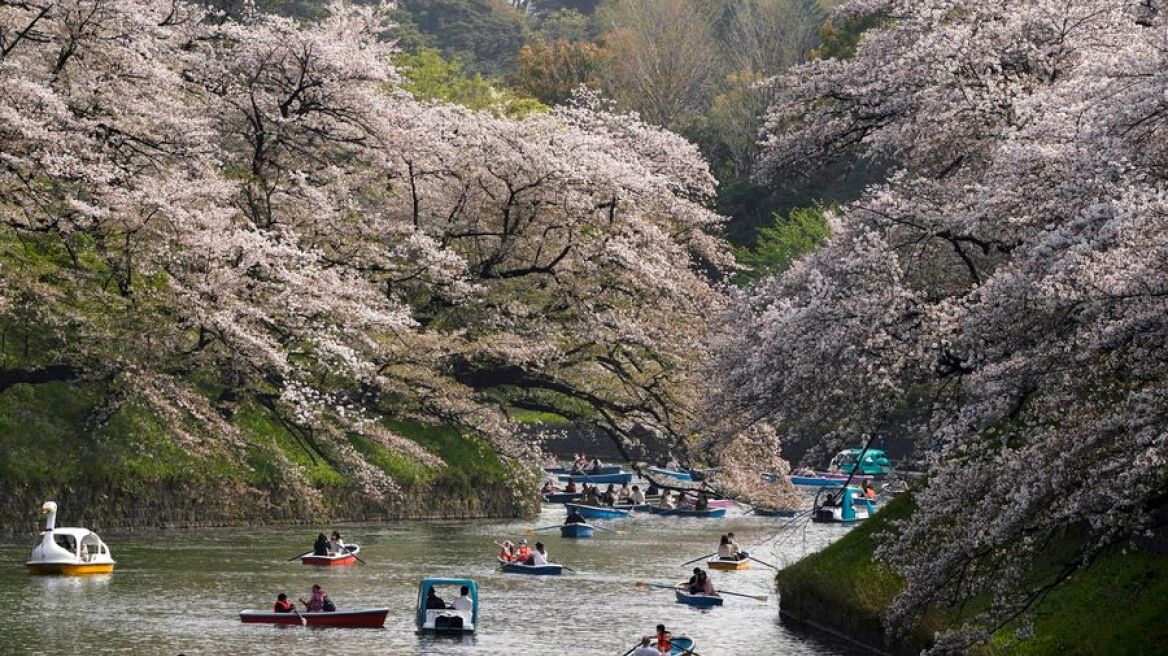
{"x":321,"y":546}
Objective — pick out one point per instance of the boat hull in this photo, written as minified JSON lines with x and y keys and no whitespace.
{"x":679,"y":475}
{"x":700,"y":601}
{"x":69,"y":569}
{"x":826,"y":480}
{"x":597,"y":512}
{"x":774,"y":512}
{"x":685,"y":512}
{"x":366,"y":618}
{"x":619,"y":478}
{"x":728,"y":565}
{"x":531,"y":570}
{"x":576,"y":531}
{"x":339,"y":560}
{"x":562,"y":497}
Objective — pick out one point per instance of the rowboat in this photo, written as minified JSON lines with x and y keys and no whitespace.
{"x":69,"y":551}
{"x":681,"y":644}
{"x":447,"y":620}
{"x":551,"y":569}
{"x":604,"y":469}
{"x":336,"y":560}
{"x":576,"y":531}
{"x":700,"y":600}
{"x":825,"y":480}
{"x":562,"y":497}
{"x":689,"y":512}
{"x":640,"y":507}
{"x":597,"y":512}
{"x":363,"y":618}
{"x":728,"y":564}
{"x":671,"y":473}
{"x":616,"y":478}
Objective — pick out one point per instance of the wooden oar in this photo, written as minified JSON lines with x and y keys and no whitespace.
{"x":569,"y":569}
{"x":762,"y":562}
{"x":650,"y":584}
{"x":306,"y":553}
{"x":530,"y":530}
{"x":606,"y":529}
{"x":690,"y":562}
{"x":739,"y":594}
{"x":303,"y":622}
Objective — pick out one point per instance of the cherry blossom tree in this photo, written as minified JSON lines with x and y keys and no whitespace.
{"x":1011,"y":273}
{"x":255,"y":205}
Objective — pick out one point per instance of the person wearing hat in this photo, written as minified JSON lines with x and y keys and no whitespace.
{"x":522,"y":552}
{"x":506,"y":553}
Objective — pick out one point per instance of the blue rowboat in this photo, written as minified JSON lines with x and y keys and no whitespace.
{"x":640,"y":507}
{"x":562,"y":497}
{"x":597,"y":512}
{"x":576,"y":531}
{"x":550,"y":569}
{"x":699,"y":600}
{"x":681,"y":644}
{"x":689,"y":512}
{"x":616,"y":478}
{"x":679,"y":475}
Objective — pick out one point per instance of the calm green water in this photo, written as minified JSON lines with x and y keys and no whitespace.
{"x":181,"y":591}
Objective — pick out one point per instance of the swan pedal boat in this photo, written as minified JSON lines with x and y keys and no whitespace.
{"x":336,"y":560}
{"x":68,"y":551}
{"x":699,"y":600}
{"x":551,"y":569}
{"x":361,"y":618}
{"x":728,"y":564}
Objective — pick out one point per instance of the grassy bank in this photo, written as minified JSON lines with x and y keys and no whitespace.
{"x":1116,"y":606}
{"x":129,"y":467}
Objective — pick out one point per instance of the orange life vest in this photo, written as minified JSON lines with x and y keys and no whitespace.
{"x":284,"y":606}
{"x":664,"y":642}
{"x":523,"y":553}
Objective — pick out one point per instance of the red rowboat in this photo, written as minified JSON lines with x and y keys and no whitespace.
{"x":347,"y":558}
{"x":364,"y":618}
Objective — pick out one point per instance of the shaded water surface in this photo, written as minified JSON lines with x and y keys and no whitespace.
{"x":180,"y":592}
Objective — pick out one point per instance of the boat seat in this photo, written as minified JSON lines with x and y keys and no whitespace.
{"x":448,"y":618}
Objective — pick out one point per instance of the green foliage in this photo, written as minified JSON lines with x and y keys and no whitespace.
{"x":785,"y":241}
{"x":553,"y":70}
{"x":565,"y":24}
{"x":840,"y":40}
{"x":486,"y":34}
{"x":469,"y":460}
{"x":406,"y":471}
{"x":428,"y":76}
{"x":520,"y":416}
{"x":265,"y":430}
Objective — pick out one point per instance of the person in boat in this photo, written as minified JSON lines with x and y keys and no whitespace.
{"x":683,"y":500}
{"x":282,"y":604}
{"x":336,"y":544}
{"x":666,"y":501}
{"x":463,"y":600}
{"x":653,"y":490}
{"x":548,"y":487}
{"x":597,"y":467}
{"x":571,"y":486}
{"x":664,"y":639}
{"x":829,"y":500}
{"x":636,"y":497}
{"x":869,"y":491}
{"x":624,"y":493}
{"x":319,"y":602}
{"x":695,"y":582}
{"x":591,"y":498}
{"x":609,"y":497}
{"x":580,"y":465}
{"x":522,"y":552}
{"x":434,"y":602}
{"x":539,"y":557}
{"x":703,"y":502}
{"x":321,"y":546}
{"x":734,"y":548}
{"x":507,"y":551}
{"x":647,"y":649}
{"x":574,"y":517}
{"x":705,"y":585}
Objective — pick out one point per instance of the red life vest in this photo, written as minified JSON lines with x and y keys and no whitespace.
{"x":284,"y":606}
{"x":664,"y":642}
{"x":523,"y":553}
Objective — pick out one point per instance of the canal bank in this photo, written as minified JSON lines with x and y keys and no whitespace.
{"x":1113,"y":607}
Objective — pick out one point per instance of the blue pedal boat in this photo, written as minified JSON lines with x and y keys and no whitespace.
{"x":577,"y":530}
{"x":597,"y":512}
{"x":447,"y":620}
{"x":699,"y":600}
{"x":689,"y":512}
{"x":551,"y":569}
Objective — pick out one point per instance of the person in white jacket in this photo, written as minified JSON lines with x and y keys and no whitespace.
{"x":539,"y":556}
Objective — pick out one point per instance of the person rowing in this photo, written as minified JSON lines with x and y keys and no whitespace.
{"x":666,"y":501}
{"x":321,"y":546}
{"x":727,"y":550}
{"x":664,"y":639}
{"x":645,"y":648}
{"x":574,"y":517}
{"x":610,"y":497}
{"x":319,"y":602}
{"x":700,"y":583}
{"x":637,"y":497}
{"x":282,"y":604}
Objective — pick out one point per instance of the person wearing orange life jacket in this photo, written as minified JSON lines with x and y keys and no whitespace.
{"x":505,"y":551}
{"x":283,"y":605}
{"x":664,"y":639}
{"x":522,"y":552}
{"x":869,"y":491}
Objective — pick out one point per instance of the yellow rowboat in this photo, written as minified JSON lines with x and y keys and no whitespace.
{"x":728,"y":564}
{"x":68,"y":551}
